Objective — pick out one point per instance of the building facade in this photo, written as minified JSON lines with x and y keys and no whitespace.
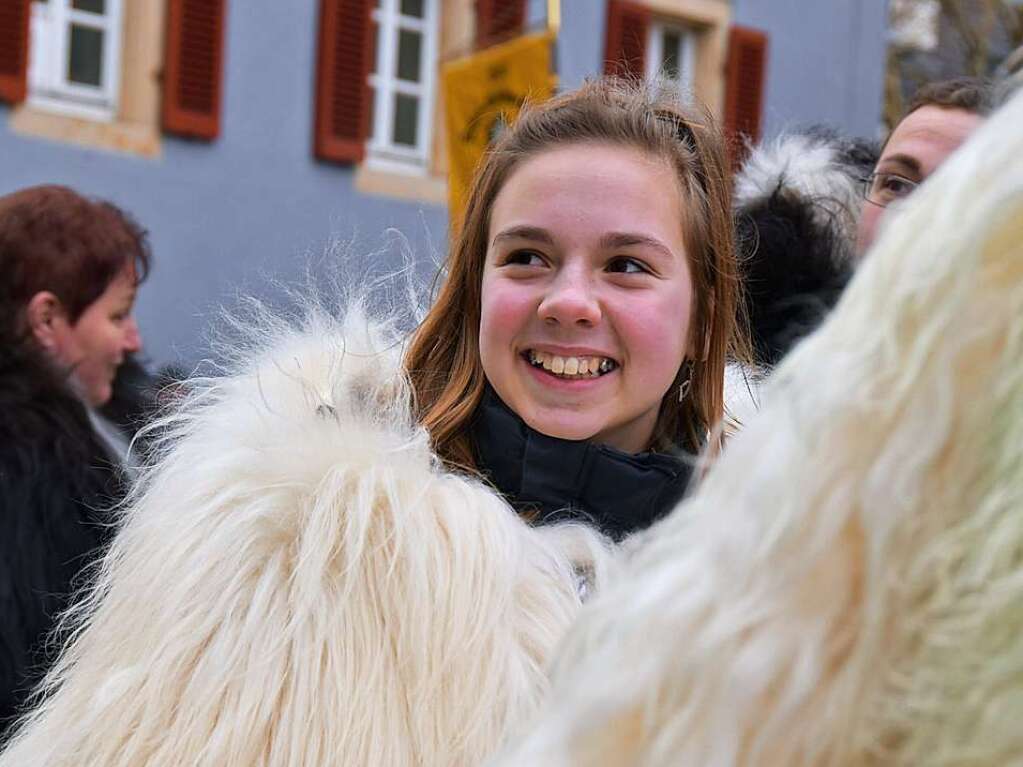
{"x":250,"y":139}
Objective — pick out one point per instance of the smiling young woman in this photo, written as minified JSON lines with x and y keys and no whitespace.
{"x":589,"y":309}
{"x":586,"y":269}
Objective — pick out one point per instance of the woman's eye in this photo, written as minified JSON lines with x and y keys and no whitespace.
{"x":525,"y":258}
{"x":625,"y":265}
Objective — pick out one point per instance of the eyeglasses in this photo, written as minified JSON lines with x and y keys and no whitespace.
{"x":882,"y":189}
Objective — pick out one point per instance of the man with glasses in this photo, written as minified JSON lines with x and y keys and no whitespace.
{"x":941,"y":116}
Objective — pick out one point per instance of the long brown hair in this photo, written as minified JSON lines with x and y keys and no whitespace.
{"x":443,"y":358}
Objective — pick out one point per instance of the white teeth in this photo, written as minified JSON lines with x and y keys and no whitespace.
{"x":590,"y":367}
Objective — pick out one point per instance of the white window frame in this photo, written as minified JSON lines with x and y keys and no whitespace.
{"x":687,"y":35}
{"x":381,"y":152}
{"x":49,"y":52}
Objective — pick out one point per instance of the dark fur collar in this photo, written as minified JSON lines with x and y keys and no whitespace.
{"x":57,"y":484}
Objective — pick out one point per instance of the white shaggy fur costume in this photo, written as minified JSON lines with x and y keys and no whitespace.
{"x":299,"y":582}
{"x":846,"y":587}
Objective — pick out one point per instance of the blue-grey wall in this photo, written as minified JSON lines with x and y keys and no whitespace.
{"x":825,"y":61}
{"x":224,"y":216}
{"x":580,"y":51}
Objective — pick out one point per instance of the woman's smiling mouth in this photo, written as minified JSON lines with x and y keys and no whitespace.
{"x":570,"y":368}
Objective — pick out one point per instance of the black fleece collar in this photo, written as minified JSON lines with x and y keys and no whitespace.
{"x":557,"y":479}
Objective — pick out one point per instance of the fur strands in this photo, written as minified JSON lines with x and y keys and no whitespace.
{"x":815,"y":164}
{"x":846,"y":587}
{"x":797,"y":200}
{"x":299,"y":582}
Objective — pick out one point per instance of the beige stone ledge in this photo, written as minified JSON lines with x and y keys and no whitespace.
{"x":701,"y":11}
{"x":118,"y":136}
{"x":430,"y":189}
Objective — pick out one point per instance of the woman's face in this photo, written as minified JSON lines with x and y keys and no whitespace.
{"x":586,"y":293}
{"x":95,"y":345}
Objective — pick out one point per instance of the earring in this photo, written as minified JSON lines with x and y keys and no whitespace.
{"x":687,"y":383}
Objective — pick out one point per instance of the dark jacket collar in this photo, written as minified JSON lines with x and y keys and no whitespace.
{"x":555,"y":479}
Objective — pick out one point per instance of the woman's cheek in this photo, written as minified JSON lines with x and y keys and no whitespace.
{"x":656,"y":332}
{"x":506,"y":309}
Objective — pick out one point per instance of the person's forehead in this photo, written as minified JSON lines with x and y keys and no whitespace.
{"x":926,"y":137}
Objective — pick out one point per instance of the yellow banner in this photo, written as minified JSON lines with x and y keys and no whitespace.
{"x":484,"y":92}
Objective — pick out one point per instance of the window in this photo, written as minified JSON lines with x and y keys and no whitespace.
{"x":401,"y":80}
{"x":671,"y":52}
{"x":74,"y":57}
{"x":691,"y":46}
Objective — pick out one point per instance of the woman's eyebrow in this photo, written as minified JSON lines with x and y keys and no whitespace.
{"x":613,"y":240}
{"x":533,"y":233}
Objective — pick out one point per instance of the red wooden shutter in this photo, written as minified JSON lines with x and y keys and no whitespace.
{"x":744,"y":94}
{"x":499,"y":20}
{"x":14,"y":18}
{"x":625,"y":49}
{"x":342,"y":86}
{"x":193,"y":68}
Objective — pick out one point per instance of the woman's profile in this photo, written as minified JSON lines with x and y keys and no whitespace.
{"x":71,"y":267}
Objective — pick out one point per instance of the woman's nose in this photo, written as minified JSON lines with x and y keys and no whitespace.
{"x":132,"y":337}
{"x":571,"y":300}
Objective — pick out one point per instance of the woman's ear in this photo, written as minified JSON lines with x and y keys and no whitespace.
{"x":46,"y":319}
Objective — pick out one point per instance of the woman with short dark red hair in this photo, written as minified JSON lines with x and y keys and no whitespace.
{"x":70,"y":269}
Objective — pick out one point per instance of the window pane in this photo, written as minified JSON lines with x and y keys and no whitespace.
{"x":412,"y":8}
{"x":408,"y":55}
{"x":374,"y":47}
{"x":85,"y":64}
{"x":669,"y":59}
{"x":372,"y":117}
{"x":92,"y":6}
{"x":406,"y":114}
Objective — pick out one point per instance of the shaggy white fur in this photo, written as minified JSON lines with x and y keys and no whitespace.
{"x":846,"y":587}
{"x":298,"y":582}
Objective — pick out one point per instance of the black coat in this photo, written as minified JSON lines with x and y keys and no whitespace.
{"x":552,"y":480}
{"x":57,"y":484}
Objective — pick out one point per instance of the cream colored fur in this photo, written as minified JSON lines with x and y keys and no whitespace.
{"x":298,"y":582}
{"x":846,"y":587}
